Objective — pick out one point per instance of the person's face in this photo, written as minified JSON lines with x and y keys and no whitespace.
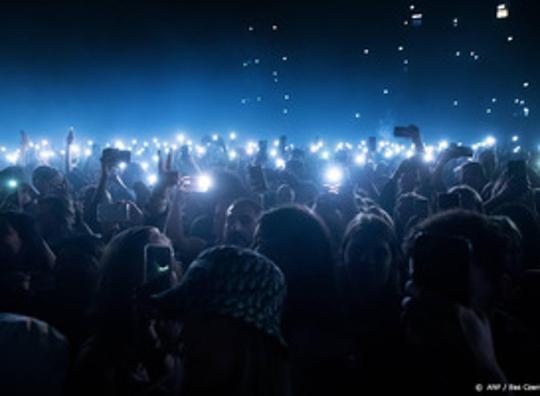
{"x":53,"y":186}
{"x":368,"y":263}
{"x":240,"y":223}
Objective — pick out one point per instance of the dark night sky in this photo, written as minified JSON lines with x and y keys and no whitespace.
{"x":143,"y":68}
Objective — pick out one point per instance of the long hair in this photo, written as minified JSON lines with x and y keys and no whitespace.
{"x":297,"y":240}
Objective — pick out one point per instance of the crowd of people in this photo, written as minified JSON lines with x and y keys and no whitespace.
{"x":237,"y":277}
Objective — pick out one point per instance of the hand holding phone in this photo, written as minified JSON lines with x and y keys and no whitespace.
{"x":113,"y":156}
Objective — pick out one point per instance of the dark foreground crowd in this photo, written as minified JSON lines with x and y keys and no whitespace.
{"x":405,"y":276}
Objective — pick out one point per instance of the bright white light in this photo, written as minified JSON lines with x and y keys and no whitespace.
{"x":232,"y":136}
{"x":443,"y":144}
{"x":510,"y":38}
{"x":273,"y":153}
{"x":314,"y":148}
{"x":526,"y":84}
{"x":134,"y":142}
{"x":44,"y":143}
{"x":502,"y":11}
{"x":12,"y":158}
{"x":232,"y":155}
{"x":385,"y":91}
{"x":75,"y":149}
{"x":90,"y":142}
{"x":12,"y":183}
{"x":122,"y":165}
{"x":200,"y":150}
{"x":515,"y":138}
{"x":429,"y":157}
{"x":334,"y":175}
{"x":360,"y":159}
{"x":516,"y":149}
{"x":400,"y":48}
{"x":325,"y":155}
{"x":204,"y":183}
{"x":490,"y":141}
{"x":155,"y":158}
{"x":215,"y":137}
{"x":388,"y":154}
{"x":180,"y":138}
{"x":46,"y":154}
{"x":366,"y":51}
{"x":87,"y":152}
{"x":409,"y":153}
{"x":525,"y":111}
{"x":151,"y":179}
{"x":145,"y":166}
{"x":280,"y":163}
{"x":250,"y":151}
{"x":3,"y":149}
{"x":119,"y":144}
{"x":276,"y":143}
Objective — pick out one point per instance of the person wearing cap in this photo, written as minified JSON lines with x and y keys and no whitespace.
{"x":230,"y":302}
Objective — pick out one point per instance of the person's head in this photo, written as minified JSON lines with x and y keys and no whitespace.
{"x":55,"y":216}
{"x":123,"y":273}
{"x":77,"y":267}
{"x":489,"y":161}
{"x":472,"y":175}
{"x":482,"y":266}
{"x":285,"y":195}
{"x":21,"y":247}
{"x":34,"y":359}
{"x":48,"y":181}
{"x":328,"y":207}
{"x":527,"y":223}
{"x":230,"y":302}
{"x":469,"y":198}
{"x":298,"y":242}
{"x":240,"y":222}
{"x":371,"y":256}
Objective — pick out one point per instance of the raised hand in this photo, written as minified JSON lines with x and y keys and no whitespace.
{"x":70,"y":136}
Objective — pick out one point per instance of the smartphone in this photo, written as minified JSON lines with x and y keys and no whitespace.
{"x":441,"y":265}
{"x":197,"y":184}
{"x":402,"y":132}
{"x":257,"y":179}
{"x":116,"y":156}
{"x":463,"y":151}
{"x":448,"y":201}
{"x":517,"y":169}
{"x":113,"y":213}
{"x":158,"y":260}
